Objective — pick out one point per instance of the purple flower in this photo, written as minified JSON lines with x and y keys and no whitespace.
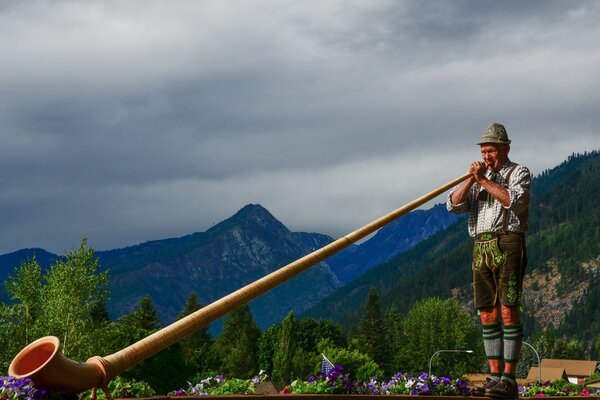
{"x":311,"y":379}
{"x":422,"y":387}
{"x":446,"y":380}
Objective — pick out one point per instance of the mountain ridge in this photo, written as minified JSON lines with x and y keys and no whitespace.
{"x":238,"y":250}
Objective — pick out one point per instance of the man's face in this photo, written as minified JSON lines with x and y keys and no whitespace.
{"x":494,"y":155}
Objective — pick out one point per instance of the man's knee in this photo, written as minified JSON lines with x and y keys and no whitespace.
{"x":488,"y":315}
{"x":510,"y":315}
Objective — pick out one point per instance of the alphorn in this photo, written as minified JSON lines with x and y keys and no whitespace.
{"x":43,"y":362}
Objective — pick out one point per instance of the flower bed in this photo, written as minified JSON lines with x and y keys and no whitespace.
{"x":333,"y":385}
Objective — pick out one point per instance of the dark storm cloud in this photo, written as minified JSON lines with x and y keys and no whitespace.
{"x":128,"y":123}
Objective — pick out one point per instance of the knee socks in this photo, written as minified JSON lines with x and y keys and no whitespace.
{"x":492,"y":342}
{"x":502,"y":344}
{"x":513,"y":340}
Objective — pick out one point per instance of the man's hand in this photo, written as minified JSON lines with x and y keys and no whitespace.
{"x":478,"y":169}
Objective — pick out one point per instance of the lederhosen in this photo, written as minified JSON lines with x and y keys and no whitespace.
{"x":499,"y":261}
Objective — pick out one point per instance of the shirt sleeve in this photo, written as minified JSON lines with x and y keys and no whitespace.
{"x":518,"y":189}
{"x":460,"y":207}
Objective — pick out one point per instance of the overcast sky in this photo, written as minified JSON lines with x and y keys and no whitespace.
{"x":129,"y":121}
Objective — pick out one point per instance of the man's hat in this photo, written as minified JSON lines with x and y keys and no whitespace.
{"x":495,"y":133}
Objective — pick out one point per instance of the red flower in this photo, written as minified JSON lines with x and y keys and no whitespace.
{"x":285,"y":390}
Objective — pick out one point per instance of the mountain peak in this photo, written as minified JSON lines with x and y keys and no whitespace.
{"x":252,"y":210}
{"x":257,"y":215}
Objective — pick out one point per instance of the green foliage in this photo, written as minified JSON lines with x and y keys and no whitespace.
{"x":66,"y":302}
{"x":267,"y":343}
{"x":284,"y":353}
{"x":360,"y":366}
{"x":218,"y":385}
{"x":559,"y":388}
{"x":307,"y":333}
{"x":435,"y":324}
{"x":549,"y":345}
{"x":371,"y":331}
{"x":234,"y":386}
{"x":195,"y":348}
{"x":72,"y":293}
{"x":393,"y":339}
{"x":237,"y":346}
{"x":122,"y":388}
{"x":336,"y":381}
{"x":137,"y":325}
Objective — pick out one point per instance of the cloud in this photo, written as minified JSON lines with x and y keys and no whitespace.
{"x":128,"y":121}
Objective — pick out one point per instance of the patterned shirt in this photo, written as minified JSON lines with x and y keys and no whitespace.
{"x":486,"y":214}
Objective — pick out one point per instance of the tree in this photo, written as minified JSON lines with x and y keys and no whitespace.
{"x":146,"y":316}
{"x":284,"y":352}
{"x":237,"y":345}
{"x":196,"y":346}
{"x":371,"y":332}
{"x":434,"y":324}
{"x":17,"y":320}
{"x":267,"y":343}
{"x":360,"y":365}
{"x":165,"y":369}
{"x":393,"y":338}
{"x":74,"y":291}
{"x":68,"y":301}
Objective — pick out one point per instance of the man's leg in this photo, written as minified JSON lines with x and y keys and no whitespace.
{"x":513,"y":340}
{"x":492,"y":340}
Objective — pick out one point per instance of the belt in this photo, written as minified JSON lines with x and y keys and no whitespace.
{"x":486,"y":236}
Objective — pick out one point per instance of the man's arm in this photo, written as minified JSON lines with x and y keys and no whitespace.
{"x":461,"y":192}
{"x":497,"y":191}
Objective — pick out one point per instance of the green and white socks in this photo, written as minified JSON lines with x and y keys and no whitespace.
{"x":513,"y":340}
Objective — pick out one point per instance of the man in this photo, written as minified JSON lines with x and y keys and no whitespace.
{"x":496,"y":197}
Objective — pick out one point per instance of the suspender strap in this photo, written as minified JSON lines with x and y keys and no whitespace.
{"x":505,"y":222}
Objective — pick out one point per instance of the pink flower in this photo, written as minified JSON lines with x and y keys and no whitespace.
{"x":539,"y":395}
{"x":585,"y":392}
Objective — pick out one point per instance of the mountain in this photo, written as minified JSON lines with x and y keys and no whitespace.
{"x":233,"y":253}
{"x":563,"y":250}
{"x":391,"y":240}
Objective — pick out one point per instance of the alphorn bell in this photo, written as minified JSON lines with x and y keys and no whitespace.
{"x":45,"y":365}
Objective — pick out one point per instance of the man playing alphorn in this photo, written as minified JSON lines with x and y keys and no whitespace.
{"x":496,"y":198}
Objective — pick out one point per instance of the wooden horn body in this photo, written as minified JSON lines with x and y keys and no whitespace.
{"x":42,"y":362}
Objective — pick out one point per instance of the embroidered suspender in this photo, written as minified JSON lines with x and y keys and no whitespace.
{"x":505,"y":223}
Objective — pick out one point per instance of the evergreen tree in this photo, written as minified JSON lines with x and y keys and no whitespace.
{"x":267,"y":344}
{"x":393,"y":339}
{"x":146,"y":316}
{"x":284,"y":352}
{"x":371,"y":332}
{"x":237,"y":345}
{"x":165,"y":369}
{"x":195,"y":348}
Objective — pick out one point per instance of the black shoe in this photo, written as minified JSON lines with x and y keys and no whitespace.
{"x":503,"y":390}
{"x":481,"y":390}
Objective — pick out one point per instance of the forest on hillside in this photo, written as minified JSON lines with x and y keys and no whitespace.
{"x":564,"y":232}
